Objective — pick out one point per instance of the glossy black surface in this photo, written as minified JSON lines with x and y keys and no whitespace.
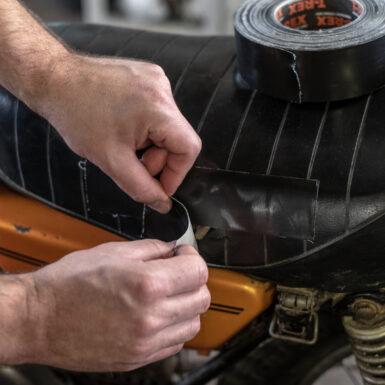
{"x":246,"y":137}
{"x":253,"y":204}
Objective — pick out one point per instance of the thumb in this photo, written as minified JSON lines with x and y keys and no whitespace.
{"x":133,"y":177}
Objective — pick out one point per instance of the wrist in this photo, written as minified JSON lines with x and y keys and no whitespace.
{"x":45,"y":78}
{"x":62,"y":92}
{"x":21,"y":328}
{"x":29,"y":53}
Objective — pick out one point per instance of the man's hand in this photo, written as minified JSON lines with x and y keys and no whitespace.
{"x":116,"y":307}
{"x":107,"y":109}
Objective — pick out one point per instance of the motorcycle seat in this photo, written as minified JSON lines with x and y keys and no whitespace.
{"x":280,"y":190}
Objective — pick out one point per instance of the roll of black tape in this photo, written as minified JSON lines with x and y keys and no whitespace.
{"x":311,"y":50}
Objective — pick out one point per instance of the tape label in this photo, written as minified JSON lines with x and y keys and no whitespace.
{"x":331,"y":21}
{"x":317,"y":14}
{"x":301,"y":6}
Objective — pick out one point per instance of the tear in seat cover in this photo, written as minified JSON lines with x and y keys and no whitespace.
{"x":289,"y":191}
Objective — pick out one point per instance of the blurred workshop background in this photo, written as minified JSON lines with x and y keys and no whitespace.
{"x":179,"y":16}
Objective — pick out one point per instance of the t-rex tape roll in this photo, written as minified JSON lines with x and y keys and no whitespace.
{"x":311,"y":50}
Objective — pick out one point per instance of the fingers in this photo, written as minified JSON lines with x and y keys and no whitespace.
{"x":164,"y":353}
{"x":176,"y":169}
{"x":183,"y":307}
{"x":144,"y":250}
{"x":171,"y":275}
{"x":133,"y":177}
{"x":179,"y":333}
{"x":183,"y":146}
{"x":155,"y":160}
{"x":180,"y":274}
{"x":170,"y":341}
{"x":185,"y":250}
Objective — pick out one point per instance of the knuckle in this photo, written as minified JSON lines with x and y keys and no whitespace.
{"x":195,"y":327}
{"x":148,"y":326}
{"x":187,"y":249}
{"x":163,"y":87}
{"x":206,"y":299}
{"x":157,"y":70}
{"x":114,"y":248}
{"x":196,"y":145}
{"x":148,"y":288}
{"x":161,"y":96}
{"x":165,"y":82}
{"x":139,"y":350}
{"x":203,"y":271}
{"x":155,"y":245}
{"x":160,"y":75}
{"x":198,"y":266}
{"x":143,"y":194}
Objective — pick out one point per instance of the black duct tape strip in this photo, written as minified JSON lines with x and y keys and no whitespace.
{"x":311,"y":50}
{"x":278,"y":206}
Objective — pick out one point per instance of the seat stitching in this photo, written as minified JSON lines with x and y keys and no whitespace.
{"x":118,"y":222}
{"x":126,"y":42}
{"x":143,"y":229}
{"x":277,"y":138}
{"x":83,"y":185}
{"x":16,"y":136}
{"x":315,"y":151}
{"x":226,"y":249}
{"x":239,"y":130}
{"x":213,"y":95}
{"x":163,"y":47}
{"x":265,"y":250}
{"x":270,"y":166}
{"x":354,"y":162}
{"x":188,"y":65}
{"x":317,"y":141}
{"x":48,"y":159}
{"x":94,"y":38}
{"x":61,"y":34}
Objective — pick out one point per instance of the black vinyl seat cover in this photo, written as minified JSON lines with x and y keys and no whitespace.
{"x":293,"y":193}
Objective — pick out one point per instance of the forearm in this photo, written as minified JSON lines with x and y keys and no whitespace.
{"x":29,"y":54}
{"x":19,"y":333}
{"x":104,"y":108}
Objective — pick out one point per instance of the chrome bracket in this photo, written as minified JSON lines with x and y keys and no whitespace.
{"x":295,"y":317}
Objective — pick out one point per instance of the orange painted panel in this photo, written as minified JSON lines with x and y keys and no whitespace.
{"x":40,"y":234}
{"x":235,"y":301}
{"x":8,"y":264}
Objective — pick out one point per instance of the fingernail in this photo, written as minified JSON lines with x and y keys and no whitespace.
{"x":162,"y":206}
